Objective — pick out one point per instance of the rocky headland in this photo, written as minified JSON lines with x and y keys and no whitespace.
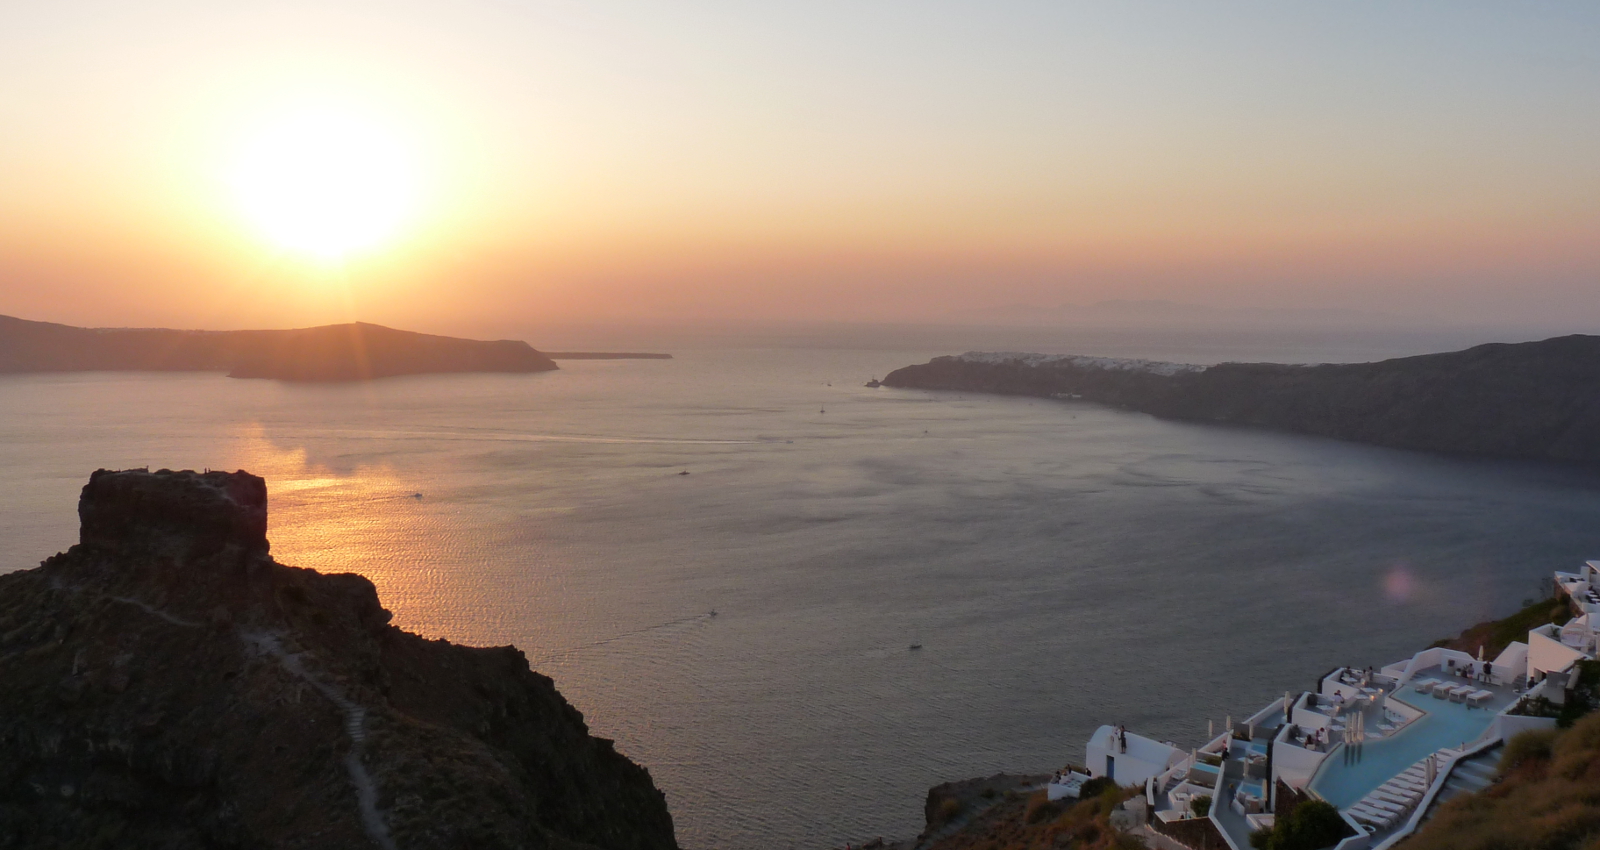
{"x":1536,"y":400}
{"x":166,"y":683}
{"x":348,"y":352}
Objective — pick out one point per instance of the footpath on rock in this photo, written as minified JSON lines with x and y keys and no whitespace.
{"x":166,"y":683}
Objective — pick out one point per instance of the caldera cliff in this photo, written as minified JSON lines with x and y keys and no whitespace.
{"x":166,"y":683}
{"x":1525,"y":400}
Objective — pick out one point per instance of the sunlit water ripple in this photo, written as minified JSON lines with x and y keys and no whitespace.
{"x":1062,"y":565}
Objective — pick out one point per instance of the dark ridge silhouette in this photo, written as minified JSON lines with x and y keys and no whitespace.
{"x":349,"y":352}
{"x":1524,"y":400}
{"x":605,"y":355}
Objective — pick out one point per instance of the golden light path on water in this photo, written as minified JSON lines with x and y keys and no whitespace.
{"x":364,"y":520}
{"x":422,"y":542}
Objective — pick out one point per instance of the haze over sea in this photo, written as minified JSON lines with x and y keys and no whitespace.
{"x":1063,"y":565}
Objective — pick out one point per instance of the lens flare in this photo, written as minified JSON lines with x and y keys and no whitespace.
{"x":1399,"y":585}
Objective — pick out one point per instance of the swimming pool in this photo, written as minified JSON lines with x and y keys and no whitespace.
{"x":1446,"y":724}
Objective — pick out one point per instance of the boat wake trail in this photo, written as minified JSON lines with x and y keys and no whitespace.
{"x":585,"y":647}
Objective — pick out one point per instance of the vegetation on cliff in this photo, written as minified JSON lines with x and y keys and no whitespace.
{"x":1029,"y":821}
{"x":1493,"y":636}
{"x":165,"y":683}
{"x":1548,"y":798}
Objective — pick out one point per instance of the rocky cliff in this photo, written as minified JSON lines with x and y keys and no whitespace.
{"x":165,"y":683}
{"x":356,"y":351}
{"x":1524,"y":400}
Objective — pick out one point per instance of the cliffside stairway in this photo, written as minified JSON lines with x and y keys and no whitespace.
{"x":1390,"y":804}
{"x":1469,"y":777}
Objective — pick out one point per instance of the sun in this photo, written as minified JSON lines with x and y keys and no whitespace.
{"x":326,"y":183}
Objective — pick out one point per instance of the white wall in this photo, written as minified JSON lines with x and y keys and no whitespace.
{"x":1307,"y":717}
{"x":1292,"y":764}
{"x":1507,"y":726}
{"x":1511,"y":663}
{"x":1549,"y":656}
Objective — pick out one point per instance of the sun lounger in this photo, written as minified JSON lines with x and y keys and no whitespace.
{"x":1442,"y":690}
{"x":1459,"y":693}
{"x":1383,"y":805}
{"x":1365,"y":815}
{"x":1426,"y":685}
{"x":1479,"y":697}
{"x":1372,"y":814}
{"x":1379,"y":820}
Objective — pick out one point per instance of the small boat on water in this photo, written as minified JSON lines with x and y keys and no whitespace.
{"x":874,"y":383}
{"x":916,"y":646}
{"x":685,"y":472}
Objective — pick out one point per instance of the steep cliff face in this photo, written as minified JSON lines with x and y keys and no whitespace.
{"x":165,"y":683}
{"x":1527,"y":400}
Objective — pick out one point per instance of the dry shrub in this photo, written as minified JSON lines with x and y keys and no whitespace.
{"x":1039,"y":808}
{"x":1531,"y":807}
{"x":949,"y":810}
{"x":1532,"y":745}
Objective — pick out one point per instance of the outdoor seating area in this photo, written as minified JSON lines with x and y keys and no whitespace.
{"x":1180,"y":800}
{"x":1392,"y":802}
{"x":1065,"y":785}
{"x":1373,"y":742}
{"x":1307,"y":739}
{"x":1250,"y":798}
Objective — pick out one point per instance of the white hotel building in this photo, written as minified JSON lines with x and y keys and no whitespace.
{"x":1385,"y":747}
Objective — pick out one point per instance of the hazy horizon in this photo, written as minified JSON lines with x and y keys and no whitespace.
{"x":936,"y":163}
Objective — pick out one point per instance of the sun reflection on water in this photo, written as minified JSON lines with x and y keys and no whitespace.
{"x":368,"y":519}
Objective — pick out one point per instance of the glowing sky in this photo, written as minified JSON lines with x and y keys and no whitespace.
{"x":927,"y":161}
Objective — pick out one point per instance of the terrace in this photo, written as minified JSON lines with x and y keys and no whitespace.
{"x":1381,"y":746}
{"x":1355,"y":770}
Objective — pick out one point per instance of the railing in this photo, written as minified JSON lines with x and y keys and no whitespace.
{"x":1484,"y":742}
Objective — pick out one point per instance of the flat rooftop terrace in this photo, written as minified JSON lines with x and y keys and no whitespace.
{"x":1347,"y":776}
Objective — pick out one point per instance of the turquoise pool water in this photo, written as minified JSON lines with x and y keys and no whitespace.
{"x":1446,"y":724}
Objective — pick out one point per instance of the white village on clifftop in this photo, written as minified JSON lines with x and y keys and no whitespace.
{"x":1384,"y":746}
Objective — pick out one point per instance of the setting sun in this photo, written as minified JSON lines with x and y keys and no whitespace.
{"x":326,"y":183}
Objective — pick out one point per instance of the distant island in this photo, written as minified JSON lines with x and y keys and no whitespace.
{"x":348,"y":352}
{"x":605,"y":355}
{"x":1536,"y":400}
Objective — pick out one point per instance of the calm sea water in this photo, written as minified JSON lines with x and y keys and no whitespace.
{"x":1062,"y":565}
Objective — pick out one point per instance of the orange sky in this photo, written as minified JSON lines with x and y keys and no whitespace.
{"x":626,"y":162}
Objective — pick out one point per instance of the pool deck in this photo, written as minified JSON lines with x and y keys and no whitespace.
{"x":1350,"y":772}
{"x":1366,"y":740}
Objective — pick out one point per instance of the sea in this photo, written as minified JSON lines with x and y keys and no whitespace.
{"x":746,"y":630}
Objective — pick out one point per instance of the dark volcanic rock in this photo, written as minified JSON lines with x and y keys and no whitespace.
{"x":165,"y":683}
{"x":1525,"y":400}
{"x":137,"y":512}
{"x":356,"y":351}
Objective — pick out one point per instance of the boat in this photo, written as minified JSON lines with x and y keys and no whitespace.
{"x":916,"y":646}
{"x":874,"y":383}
